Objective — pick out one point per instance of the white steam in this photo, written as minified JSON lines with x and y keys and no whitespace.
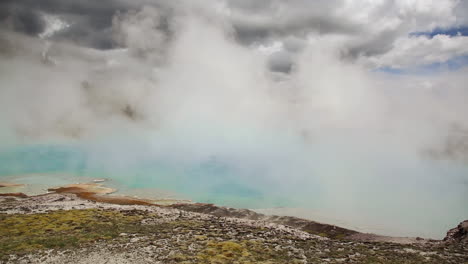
{"x":186,"y":91}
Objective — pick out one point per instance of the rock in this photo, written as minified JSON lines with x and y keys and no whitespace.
{"x":458,"y":234}
{"x":152,"y":234}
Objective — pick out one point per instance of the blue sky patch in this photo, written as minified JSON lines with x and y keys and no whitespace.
{"x":454,"y":31}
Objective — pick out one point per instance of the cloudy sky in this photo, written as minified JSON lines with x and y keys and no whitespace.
{"x":400,"y":34}
{"x":91,"y":63}
{"x":352,"y":96}
{"x":396,"y":34}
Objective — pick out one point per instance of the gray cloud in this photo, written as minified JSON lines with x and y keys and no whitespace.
{"x":461,"y":10}
{"x":90,"y":21}
{"x":257,"y":21}
{"x":454,"y":146}
{"x":21,"y":19}
{"x":366,"y":30}
{"x":281,"y":62}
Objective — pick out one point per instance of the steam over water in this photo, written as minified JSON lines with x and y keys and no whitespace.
{"x":344,"y":116}
{"x":336,"y":188}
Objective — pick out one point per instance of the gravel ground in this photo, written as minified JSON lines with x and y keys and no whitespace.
{"x":62,"y":228}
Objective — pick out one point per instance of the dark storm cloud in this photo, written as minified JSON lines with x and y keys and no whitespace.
{"x":90,"y":21}
{"x":20,"y":19}
{"x":88,"y":31}
{"x":250,"y":32}
{"x":256,"y":21}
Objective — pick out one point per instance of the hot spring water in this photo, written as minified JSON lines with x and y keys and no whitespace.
{"x":410,"y":197}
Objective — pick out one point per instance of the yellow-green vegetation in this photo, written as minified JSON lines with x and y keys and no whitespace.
{"x":23,"y":233}
{"x":188,"y":239}
{"x":236,"y":252}
{"x":247,"y":251}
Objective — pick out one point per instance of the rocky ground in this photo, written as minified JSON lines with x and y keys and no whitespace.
{"x":63,"y":228}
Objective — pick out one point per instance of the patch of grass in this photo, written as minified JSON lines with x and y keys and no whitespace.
{"x":190,"y":240}
{"x":21,"y":233}
{"x":223,"y":252}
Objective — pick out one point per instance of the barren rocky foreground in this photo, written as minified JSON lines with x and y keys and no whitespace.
{"x":63,"y":228}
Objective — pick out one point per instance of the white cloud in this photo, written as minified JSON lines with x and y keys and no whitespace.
{"x":368,"y":29}
{"x":461,"y":10}
{"x":422,"y":50}
{"x":53,"y":25}
{"x":138,"y":31}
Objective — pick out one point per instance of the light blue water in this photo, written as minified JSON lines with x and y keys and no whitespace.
{"x":403,"y":200}
{"x":210,"y":181}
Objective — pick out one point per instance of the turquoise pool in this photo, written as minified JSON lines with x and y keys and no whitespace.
{"x":413,"y":198}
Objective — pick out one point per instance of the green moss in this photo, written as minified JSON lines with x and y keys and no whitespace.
{"x":340,"y":236}
{"x":21,"y":233}
{"x":191,"y":240}
{"x":221,"y":252}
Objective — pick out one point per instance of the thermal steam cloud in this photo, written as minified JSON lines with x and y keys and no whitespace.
{"x":288,"y":94}
{"x":187,"y":71}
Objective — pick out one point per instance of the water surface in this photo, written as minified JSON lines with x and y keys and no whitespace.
{"x":402,"y":201}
